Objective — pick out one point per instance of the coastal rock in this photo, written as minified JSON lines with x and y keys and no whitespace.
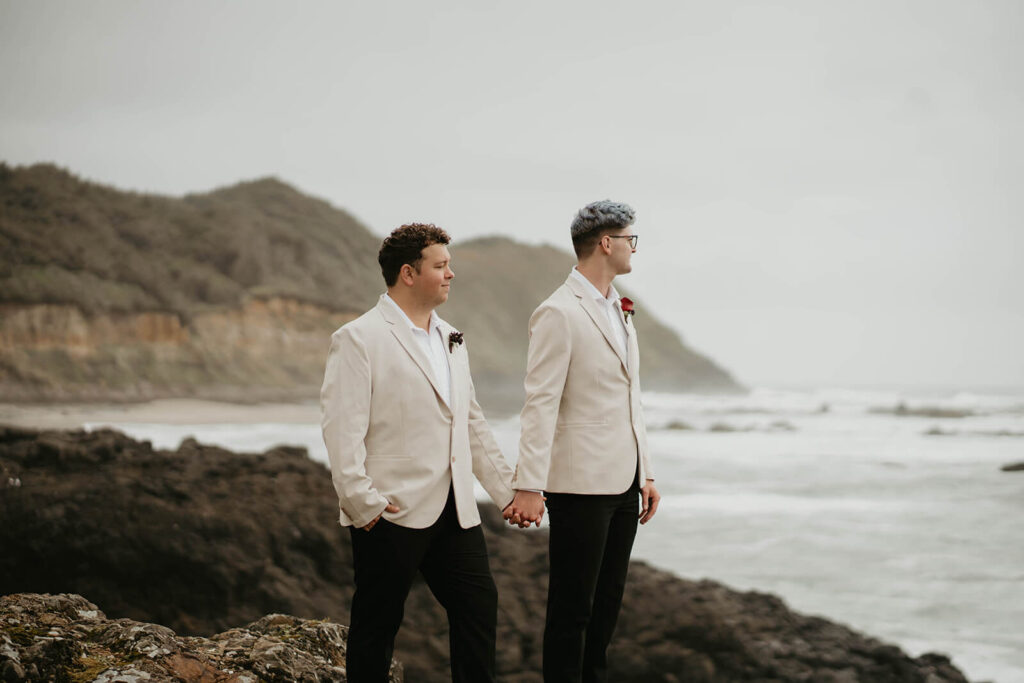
{"x":67,"y":638}
{"x":201,"y":539}
{"x":903,"y":410}
{"x":1013,"y":467}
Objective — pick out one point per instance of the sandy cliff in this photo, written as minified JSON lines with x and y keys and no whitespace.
{"x":233,"y":294}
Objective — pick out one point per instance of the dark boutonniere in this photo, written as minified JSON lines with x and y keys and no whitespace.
{"x":627,"y":308}
{"x":454,"y":339}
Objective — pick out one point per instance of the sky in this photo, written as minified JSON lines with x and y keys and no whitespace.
{"x":827,"y":193}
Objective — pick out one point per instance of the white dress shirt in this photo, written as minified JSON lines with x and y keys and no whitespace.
{"x":611,"y":307}
{"x":433,"y":345}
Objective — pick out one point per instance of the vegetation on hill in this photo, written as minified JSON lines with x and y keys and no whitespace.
{"x":107,"y":252}
{"x":64,"y":240}
{"x":519,"y":277}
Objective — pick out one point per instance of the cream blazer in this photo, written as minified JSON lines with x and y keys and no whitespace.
{"x":391,"y":437}
{"x":583,"y":429}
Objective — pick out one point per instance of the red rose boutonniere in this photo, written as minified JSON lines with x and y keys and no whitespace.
{"x":454,"y":339}
{"x":627,"y":307}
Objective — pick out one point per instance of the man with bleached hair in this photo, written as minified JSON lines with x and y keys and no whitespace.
{"x":584,"y":444}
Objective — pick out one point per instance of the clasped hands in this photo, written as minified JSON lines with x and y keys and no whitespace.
{"x":526,"y":508}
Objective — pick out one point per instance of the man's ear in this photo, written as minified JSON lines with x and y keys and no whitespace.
{"x":405,"y":274}
{"x":605,"y":244}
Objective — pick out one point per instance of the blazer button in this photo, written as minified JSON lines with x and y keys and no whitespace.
{"x":453,"y":458}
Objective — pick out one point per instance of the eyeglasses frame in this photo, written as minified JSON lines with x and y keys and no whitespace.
{"x":633,"y":239}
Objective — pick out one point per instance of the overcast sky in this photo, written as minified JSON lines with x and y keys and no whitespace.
{"x":827,"y":192}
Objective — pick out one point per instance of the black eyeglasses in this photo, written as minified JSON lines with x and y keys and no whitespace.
{"x":632,"y":239}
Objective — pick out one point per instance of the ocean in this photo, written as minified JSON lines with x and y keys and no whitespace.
{"x":883,"y":510}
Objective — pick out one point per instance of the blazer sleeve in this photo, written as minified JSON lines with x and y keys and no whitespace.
{"x":547,"y":366}
{"x":642,"y":433}
{"x":489,"y":465}
{"x":648,"y":470}
{"x":345,"y":419}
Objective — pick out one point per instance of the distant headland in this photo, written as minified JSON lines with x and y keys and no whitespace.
{"x":232,"y":295}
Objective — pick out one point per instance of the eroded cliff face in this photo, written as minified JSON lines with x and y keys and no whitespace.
{"x":108,"y":295}
{"x":49,"y":326}
{"x":268,"y":348}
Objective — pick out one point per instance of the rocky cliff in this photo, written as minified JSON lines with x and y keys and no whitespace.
{"x":266,"y":349}
{"x":233,"y":294}
{"x":202,"y":540}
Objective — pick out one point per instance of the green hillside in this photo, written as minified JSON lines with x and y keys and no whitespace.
{"x":81,"y":263}
{"x":68,"y":241}
{"x":518,"y":277}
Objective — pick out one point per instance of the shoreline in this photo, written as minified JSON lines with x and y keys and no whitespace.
{"x":697,"y":457}
{"x":174,"y":411}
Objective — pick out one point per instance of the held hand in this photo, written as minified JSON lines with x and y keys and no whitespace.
{"x":525,"y":508}
{"x":649,"y":499}
{"x":389,"y":508}
{"x":514,"y":517}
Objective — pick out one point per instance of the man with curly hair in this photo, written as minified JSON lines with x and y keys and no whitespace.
{"x":406,"y":437}
{"x":584,"y":444}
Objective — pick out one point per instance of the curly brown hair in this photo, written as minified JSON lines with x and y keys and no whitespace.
{"x":405,"y":245}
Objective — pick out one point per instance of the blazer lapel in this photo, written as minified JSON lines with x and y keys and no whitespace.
{"x":599,"y":317}
{"x":404,"y":336}
{"x":632,"y":348}
{"x":459,"y":376}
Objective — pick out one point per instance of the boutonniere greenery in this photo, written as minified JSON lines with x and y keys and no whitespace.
{"x":627,"y":308}
{"x":454,"y":339}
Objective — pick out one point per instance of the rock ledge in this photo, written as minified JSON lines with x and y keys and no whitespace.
{"x":67,"y":638}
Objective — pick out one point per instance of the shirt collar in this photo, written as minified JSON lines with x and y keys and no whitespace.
{"x":613,"y":294}
{"x":435,"y":319}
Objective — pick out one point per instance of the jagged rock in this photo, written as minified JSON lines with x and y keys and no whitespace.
{"x":202,"y":539}
{"x":67,"y":638}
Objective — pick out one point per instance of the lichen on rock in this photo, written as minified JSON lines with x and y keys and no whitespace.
{"x":66,"y":638}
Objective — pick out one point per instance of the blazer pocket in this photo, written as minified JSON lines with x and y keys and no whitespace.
{"x":570,"y":424}
{"x":387,"y":456}
{"x":386,"y":470}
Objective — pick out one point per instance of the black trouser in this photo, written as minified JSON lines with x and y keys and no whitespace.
{"x":589,"y":546}
{"x":453,"y":561}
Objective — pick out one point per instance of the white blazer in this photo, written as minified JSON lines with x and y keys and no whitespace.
{"x":583,"y":429}
{"x":391,"y":437}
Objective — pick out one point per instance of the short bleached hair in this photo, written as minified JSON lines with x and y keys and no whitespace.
{"x":597,"y":219}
